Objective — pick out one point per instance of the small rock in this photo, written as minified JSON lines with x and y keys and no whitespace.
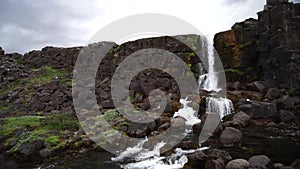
{"x":261,"y":160}
{"x":237,"y":164}
{"x":230,"y":137}
{"x":46,"y":153}
{"x":278,"y":166}
{"x":242,"y":118}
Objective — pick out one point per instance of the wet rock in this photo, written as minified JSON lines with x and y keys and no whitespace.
{"x":197,"y":160}
{"x":287,"y":116}
{"x":215,"y":164}
{"x":163,"y":127}
{"x":234,"y":124}
{"x":188,"y":145}
{"x":242,"y":118}
{"x":215,"y":154}
{"x":230,"y":137}
{"x":260,"y":160}
{"x":258,"y":110}
{"x":237,"y":164}
{"x":140,"y":130}
{"x":197,"y":128}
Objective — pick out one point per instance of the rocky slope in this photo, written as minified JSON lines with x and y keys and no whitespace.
{"x":266,"y":49}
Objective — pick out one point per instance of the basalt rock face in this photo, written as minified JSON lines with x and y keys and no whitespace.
{"x":266,"y":49}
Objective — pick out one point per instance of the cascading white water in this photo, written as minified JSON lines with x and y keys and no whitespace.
{"x":209,"y":82}
{"x":151,"y":159}
{"x":222,"y":106}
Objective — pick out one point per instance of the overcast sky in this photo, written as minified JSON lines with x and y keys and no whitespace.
{"x":26,"y":25}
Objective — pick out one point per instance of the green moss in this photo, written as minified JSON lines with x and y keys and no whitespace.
{"x":48,"y":75}
{"x":61,"y":145}
{"x":110,"y":115}
{"x":21,"y":61}
{"x":4,"y":108}
{"x":11,"y":124}
{"x":52,"y":140}
{"x":61,"y":121}
{"x":78,"y":144}
{"x":231,"y":70}
{"x":244,"y":45}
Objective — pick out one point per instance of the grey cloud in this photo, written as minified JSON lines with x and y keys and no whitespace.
{"x":32,"y":24}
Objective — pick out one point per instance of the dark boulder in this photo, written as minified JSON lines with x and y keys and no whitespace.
{"x":242,"y":118}
{"x":273,"y":94}
{"x":30,"y":148}
{"x":258,"y":86}
{"x":230,"y":137}
{"x":258,"y":110}
{"x":196,"y":160}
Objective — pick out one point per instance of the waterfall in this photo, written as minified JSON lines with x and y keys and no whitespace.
{"x":210,"y":82}
{"x":222,"y":106}
{"x":138,"y":157}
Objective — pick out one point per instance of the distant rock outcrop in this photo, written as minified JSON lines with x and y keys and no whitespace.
{"x":266,"y":49}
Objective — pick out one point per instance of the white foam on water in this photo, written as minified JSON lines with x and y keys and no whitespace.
{"x":151,"y":159}
{"x":188,"y":113}
{"x":221,"y":106}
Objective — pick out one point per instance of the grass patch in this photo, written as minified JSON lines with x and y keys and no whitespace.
{"x":48,"y":75}
{"x":52,"y":140}
{"x":4,"y":108}
{"x":110,"y":115}
{"x":61,"y":121}
{"x":236,"y":71}
{"x":11,"y":124}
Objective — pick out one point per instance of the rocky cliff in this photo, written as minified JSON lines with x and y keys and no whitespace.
{"x":266,"y":49}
